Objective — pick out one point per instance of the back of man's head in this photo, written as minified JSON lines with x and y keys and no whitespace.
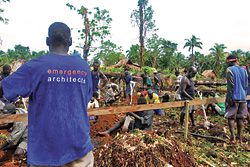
{"x":6,"y":69}
{"x":59,"y":35}
{"x":192,"y":69}
{"x":231,"y":58}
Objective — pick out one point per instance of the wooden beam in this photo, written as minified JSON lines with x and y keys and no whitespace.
{"x":13,"y":118}
{"x":123,"y":109}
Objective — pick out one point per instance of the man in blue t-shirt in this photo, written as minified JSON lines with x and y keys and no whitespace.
{"x":236,"y":106}
{"x":97,"y":77}
{"x":59,"y":87}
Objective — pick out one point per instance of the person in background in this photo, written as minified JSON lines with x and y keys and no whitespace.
{"x":6,"y":71}
{"x":248,"y":93}
{"x":142,"y":120}
{"x":18,"y":136}
{"x":98,"y":77}
{"x":153,"y":98}
{"x":236,"y":106}
{"x":112,"y":93}
{"x":59,"y":87}
{"x":129,"y":88}
{"x":217,"y":108}
{"x":177,"y":85}
{"x":157,"y":82}
{"x":178,"y":80}
{"x":94,"y":102}
{"x":187,"y":92}
{"x":147,"y":82}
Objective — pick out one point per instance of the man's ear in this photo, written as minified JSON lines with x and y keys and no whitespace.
{"x":70,"y":41}
{"x":47,"y":41}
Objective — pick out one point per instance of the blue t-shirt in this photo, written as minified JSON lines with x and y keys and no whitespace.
{"x":59,"y":89}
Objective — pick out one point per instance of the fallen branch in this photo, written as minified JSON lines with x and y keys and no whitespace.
{"x":205,"y":136}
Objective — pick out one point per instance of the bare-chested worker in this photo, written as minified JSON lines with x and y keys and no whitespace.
{"x":187,"y":92}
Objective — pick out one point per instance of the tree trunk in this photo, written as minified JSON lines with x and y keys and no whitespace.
{"x":154,"y":61}
{"x":141,"y":38}
{"x":192,"y":55}
{"x":87,"y":33}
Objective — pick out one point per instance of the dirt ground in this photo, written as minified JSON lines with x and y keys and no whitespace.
{"x":161,"y":146}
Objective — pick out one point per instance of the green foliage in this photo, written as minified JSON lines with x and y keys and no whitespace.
{"x":19,"y":52}
{"x":97,"y":25}
{"x":133,"y":53}
{"x":3,"y":136}
{"x":148,"y":69}
{"x":191,"y":44}
{"x":109,"y":53}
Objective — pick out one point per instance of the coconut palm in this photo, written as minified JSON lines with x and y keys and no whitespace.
{"x":191,"y":44}
{"x":218,"y":51}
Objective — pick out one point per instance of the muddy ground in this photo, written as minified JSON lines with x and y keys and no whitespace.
{"x":163,"y":145}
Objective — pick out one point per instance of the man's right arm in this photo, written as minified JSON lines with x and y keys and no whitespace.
{"x":104,"y":79}
{"x":18,"y":83}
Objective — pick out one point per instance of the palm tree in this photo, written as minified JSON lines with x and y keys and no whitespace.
{"x":237,"y":53}
{"x":218,"y":51}
{"x":191,"y":43}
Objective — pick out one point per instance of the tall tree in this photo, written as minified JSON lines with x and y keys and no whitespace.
{"x":218,"y":51}
{"x":133,"y":53}
{"x":191,"y":44}
{"x":97,"y":25}
{"x":109,"y":53}
{"x":3,"y":19}
{"x":154,"y":45}
{"x":143,"y":18}
{"x":237,"y":53}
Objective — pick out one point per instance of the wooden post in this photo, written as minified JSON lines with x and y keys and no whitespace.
{"x":186,"y":119}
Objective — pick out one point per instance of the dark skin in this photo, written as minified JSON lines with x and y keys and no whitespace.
{"x":185,"y":82}
{"x":96,"y":67}
{"x":150,"y":95}
{"x":7,"y":70}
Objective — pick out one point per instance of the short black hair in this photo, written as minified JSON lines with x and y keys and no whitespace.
{"x":141,"y":100}
{"x":177,"y":73}
{"x":6,"y":67}
{"x":232,"y":58}
{"x":59,"y":34}
{"x":95,"y":95}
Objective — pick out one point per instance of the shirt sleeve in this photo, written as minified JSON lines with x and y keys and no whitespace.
{"x":18,"y":84}
{"x":157,"y":100}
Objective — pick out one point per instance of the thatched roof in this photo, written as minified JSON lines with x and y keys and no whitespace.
{"x":127,"y":63}
{"x":209,"y":74}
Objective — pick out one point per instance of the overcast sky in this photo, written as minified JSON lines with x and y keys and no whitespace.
{"x":213,"y":21}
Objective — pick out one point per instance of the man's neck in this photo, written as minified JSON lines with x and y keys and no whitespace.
{"x":59,"y":51}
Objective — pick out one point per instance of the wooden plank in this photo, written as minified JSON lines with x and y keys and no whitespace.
{"x":13,"y":118}
{"x":123,"y":109}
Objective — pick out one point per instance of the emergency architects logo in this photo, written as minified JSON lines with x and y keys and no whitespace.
{"x":67,"y":76}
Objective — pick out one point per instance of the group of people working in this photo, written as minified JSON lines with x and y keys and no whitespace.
{"x":58,"y":122}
